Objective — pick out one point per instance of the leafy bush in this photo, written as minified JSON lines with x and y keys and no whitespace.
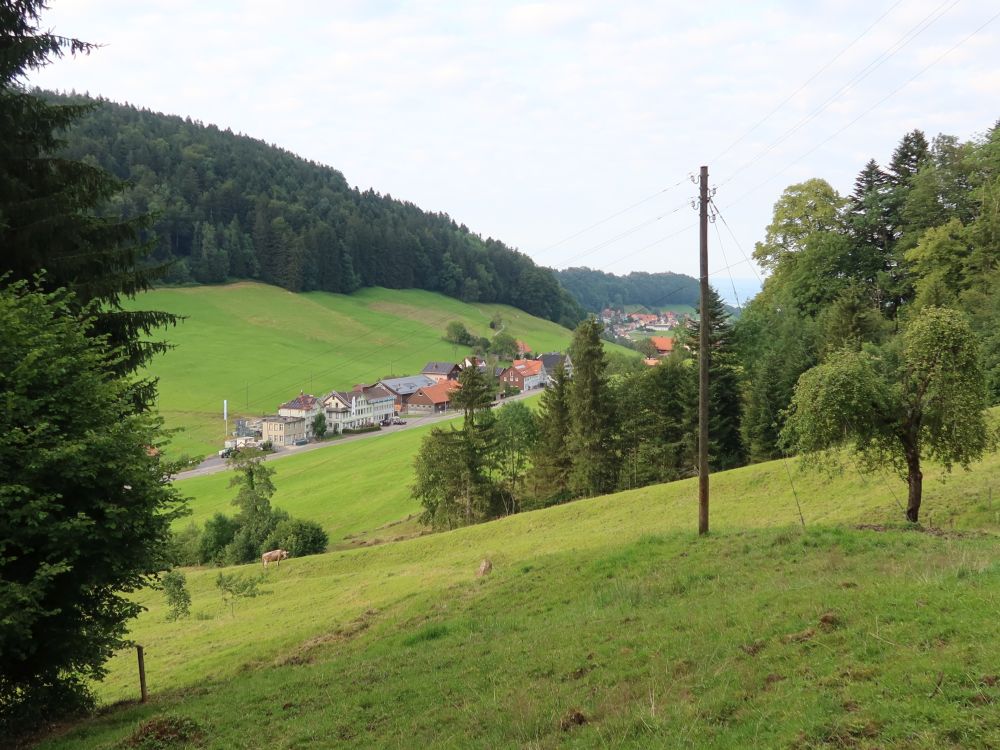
{"x":185,"y":546}
{"x":218,"y":535}
{"x":299,"y":537}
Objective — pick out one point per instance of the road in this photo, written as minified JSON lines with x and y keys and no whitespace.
{"x":214,"y":464}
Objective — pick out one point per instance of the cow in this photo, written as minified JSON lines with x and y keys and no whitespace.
{"x":274,"y":556}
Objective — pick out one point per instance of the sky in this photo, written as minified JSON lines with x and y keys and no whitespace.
{"x":569,"y":130}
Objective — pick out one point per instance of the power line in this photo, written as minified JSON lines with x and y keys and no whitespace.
{"x":809,"y":80}
{"x":929,"y":20}
{"x":612,"y":216}
{"x":874,"y":106}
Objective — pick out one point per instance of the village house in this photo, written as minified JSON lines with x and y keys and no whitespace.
{"x":525,"y":374}
{"x":382,"y":402}
{"x":441,"y":371}
{"x":664,"y":345}
{"x":402,"y":388}
{"x":304,"y":406}
{"x":347,"y":411}
{"x":432,"y":399}
{"x":283,"y":430}
{"x":550,"y":361}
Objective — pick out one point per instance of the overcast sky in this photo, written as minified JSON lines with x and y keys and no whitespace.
{"x":531,"y":122}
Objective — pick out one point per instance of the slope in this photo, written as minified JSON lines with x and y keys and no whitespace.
{"x":607,"y":621}
{"x":259,"y":345}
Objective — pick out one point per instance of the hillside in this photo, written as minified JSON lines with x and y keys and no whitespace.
{"x":596,"y":290}
{"x":259,"y":345}
{"x":611,"y":608}
{"x":228,"y":206}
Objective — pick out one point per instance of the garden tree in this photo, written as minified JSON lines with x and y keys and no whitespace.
{"x":726,"y":449}
{"x":85,"y":504}
{"x":218,"y":534}
{"x":590,"y":441}
{"x":55,"y":214}
{"x":647,"y":348}
{"x":504,"y":346}
{"x":550,"y":461}
{"x":319,"y":425}
{"x":921,"y":396}
{"x":516,"y":434}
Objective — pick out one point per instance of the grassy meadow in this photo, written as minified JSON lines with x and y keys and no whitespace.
{"x":606,"y":622}
{"x":258,"y":346}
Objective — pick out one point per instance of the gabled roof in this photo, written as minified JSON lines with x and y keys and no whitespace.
{"x":440,"y":368}
{"x":303,"y":401}
{"x":406,"y":385}
{"x":439,"y":393}
{"x":662,"y":343}
{"x":527,"y":367}
{"x":377,"y":393}
{"x":550,"y":359}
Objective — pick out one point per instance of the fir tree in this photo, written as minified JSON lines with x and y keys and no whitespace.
{"x":590,"y":442}
{"x":550,"y":461}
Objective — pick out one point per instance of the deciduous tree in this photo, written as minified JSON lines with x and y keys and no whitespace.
{"x":922,"y":396}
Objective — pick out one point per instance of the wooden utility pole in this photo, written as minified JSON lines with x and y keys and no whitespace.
{"x":703,"y":359}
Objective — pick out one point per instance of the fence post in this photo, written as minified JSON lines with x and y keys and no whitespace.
{"x":142,"y":673}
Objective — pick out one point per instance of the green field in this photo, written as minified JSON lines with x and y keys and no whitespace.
{"x":607,"y":622}
{"x":358,"y":489}
{"x":259,"y":345}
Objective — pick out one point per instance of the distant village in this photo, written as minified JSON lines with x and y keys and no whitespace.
{"x":387,"y":401}
{"x":370,"y":407}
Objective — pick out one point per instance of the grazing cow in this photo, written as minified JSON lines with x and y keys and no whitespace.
{"x":274,"y":556}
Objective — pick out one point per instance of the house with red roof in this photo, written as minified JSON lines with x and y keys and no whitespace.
{"x":432,"y":399}
{"x":303,"y":406}
{"x":525,"y":374}
{"x":664,"y":345}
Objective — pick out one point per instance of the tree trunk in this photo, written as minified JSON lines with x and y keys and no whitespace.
{"x":915,"y":480}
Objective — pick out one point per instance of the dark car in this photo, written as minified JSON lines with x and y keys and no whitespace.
{"x":301,"y":442}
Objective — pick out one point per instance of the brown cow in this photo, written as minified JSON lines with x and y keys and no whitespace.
{"x":274,"y":556}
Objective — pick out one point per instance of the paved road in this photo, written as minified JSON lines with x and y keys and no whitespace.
{"x":214,"y":464}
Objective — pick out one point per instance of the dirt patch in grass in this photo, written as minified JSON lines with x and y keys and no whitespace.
{"x":801,"y":637}
{"x":305,"y":652}
{"x":573,"y":718}
{"x":164,"y":732}
{"x":752,"y":649}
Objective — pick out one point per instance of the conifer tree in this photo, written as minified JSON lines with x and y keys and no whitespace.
{"x":549,"y":477}
{"x":54,"y":218}
{"x":591,"y":434}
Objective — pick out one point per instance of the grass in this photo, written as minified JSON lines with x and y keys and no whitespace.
{"x":359,"y":491}
{"x":607,"y":622}
{"x":258,"y":346}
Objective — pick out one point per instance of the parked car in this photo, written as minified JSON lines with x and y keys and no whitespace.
{"x":398,"y":420}
{"x":226,"y":452}
{"x":302,"y":442}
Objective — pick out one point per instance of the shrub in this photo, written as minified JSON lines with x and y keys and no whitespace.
{"x":185,"y":546}
{"x":299,"y":537}
{"x":219,"y":533}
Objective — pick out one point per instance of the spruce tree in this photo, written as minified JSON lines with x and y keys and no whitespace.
{"x":550,"y":462}
{"x":591,"y":436}
{"x":54,"y":220}
{"x":726,"y":449}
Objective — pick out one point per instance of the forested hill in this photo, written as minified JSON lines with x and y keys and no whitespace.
{"x":596,"y":290}
{"x":229,"y":206}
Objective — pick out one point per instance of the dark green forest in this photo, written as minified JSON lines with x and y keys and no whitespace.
{"x":227,"y":206}
{"x":596,"y":290}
